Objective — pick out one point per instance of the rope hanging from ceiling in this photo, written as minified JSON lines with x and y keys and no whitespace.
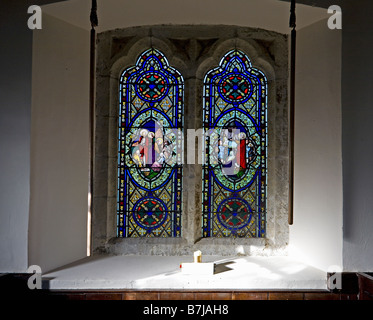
{"x":292,"y":25}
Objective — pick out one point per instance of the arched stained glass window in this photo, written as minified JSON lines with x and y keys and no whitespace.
{"x":149,"y":196}
{"x":235,"y":166}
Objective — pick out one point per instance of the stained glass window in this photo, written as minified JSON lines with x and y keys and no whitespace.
{"x":149,"y":195}
{"x":235,"y":165}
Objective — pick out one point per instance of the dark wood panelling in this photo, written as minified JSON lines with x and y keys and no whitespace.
{"x":203,"y":295}
{"x":75,"y":296}
{"x":285,"y":296}
{"x":365,"y":286}
{"x":176,"y":296}
{"x":321,"y":296}
{"x":148,"y":295}
{"x":222,"y":296}
{"x":129,"y":296}
{"x":14,"y":286}
{"x":349,"y":296}
{"x":250,"y":295}
{"x":104,"y":296}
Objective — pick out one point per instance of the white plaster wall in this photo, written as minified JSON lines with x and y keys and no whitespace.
{"x":59,"y":144}
{"x":112,"y":14}
{"x":316,"y":235}
{"x":357,"y":136}
{"x":15,"y":95}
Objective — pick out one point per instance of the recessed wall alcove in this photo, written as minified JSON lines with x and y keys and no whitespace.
{"x":194,"y":38}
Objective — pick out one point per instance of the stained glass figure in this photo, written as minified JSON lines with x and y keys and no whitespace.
{"x":149,"y":195}
{"x":235,"y":163}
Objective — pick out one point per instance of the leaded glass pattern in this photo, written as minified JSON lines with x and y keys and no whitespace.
{"x":235,"y":164}
{"x":149,"y":195}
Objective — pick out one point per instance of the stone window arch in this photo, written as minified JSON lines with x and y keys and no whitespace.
{"x":193,"y":51}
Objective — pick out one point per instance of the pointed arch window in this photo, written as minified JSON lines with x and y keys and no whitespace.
{"x":149,"y":193}
{"x":235,"y":167}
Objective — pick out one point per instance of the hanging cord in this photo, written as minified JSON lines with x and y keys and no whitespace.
{"x":94,"y":23}
{"x":93,"y":16}
{"x":292,"y":24}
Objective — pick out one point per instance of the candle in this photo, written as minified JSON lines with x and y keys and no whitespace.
{"x":197,"y":256}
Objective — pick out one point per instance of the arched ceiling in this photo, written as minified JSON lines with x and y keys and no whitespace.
{"x":266,"y":14}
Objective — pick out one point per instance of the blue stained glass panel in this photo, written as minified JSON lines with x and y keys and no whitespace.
{"x":235,"y":170}
{"x":149,"y":194}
